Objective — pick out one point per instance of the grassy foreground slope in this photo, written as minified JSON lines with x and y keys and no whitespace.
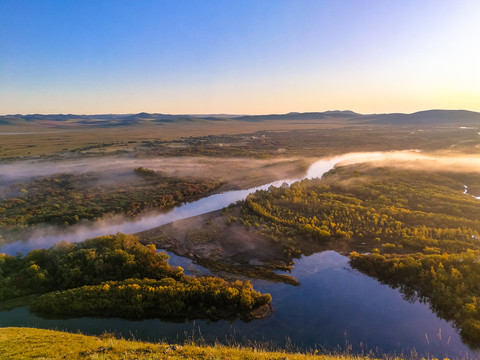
{"x":28,"y":343}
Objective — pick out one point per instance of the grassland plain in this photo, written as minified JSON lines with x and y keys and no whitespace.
{"x":28,"y":343}
{"x":252,"y":137}
{"x":40,"y":139}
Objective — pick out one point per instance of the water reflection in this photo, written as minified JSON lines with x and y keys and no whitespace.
{"x":334,"y":308}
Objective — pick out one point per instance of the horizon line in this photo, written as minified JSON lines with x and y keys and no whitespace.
{"x":233,"y":114}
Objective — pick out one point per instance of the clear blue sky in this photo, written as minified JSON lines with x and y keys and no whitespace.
{"x":248,"y":56}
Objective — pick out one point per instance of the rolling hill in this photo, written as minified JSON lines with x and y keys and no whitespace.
{"x":428,"y":117}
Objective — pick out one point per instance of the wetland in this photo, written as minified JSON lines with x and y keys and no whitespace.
{"x":368,"y":251}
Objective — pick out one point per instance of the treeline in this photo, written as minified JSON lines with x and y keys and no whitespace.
{"x":66,"y":199}
{"x":67,"y":265}
{"x":417,"y":229}
{"x":395,"y":210}
{"x":188,"y":298}
{"x":75,"y":277}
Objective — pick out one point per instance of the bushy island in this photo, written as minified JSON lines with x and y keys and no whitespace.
{"x":65,"y":199}
{"x":116,"y":276}
{"x":412,"y":229}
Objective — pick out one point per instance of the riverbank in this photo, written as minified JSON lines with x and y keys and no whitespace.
{"x":29,"y":343}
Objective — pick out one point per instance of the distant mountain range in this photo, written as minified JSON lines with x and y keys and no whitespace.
{"x":429,"y":117}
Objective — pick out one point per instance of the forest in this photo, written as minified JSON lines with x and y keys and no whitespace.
{"x":117,"y":276}
{"x":412,"y":229}
{"x":65,"y":199}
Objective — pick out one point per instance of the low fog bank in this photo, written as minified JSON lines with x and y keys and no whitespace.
{"x":106,"y":166}
{"x":416,"y":160}
{"x":117,"y":169}
{"x":49,"y":235}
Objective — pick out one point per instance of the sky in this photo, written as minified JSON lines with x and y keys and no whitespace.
{"x":238,"y":57}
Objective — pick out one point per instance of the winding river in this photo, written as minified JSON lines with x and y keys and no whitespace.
{"x":49,"y":236}
{"x":85,"y":230}
{"x":336,"y":308}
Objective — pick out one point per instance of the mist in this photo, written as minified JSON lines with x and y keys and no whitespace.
{"x":416,"y":160}
{"x":236,"y":171}
{"x":48,"y":235}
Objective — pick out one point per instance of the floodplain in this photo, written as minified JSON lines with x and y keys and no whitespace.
{"x":396,"y":207}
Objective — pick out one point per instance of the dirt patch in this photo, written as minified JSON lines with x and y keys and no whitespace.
{"x":229,"y":249}
{"x":209,"y":236}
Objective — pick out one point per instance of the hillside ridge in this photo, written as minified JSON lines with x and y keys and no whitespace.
{"x":433,"y":116}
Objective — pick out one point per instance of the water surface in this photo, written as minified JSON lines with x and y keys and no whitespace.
{"x":333,"y":309}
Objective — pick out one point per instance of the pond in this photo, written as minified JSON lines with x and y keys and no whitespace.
{"x":335,"y":308}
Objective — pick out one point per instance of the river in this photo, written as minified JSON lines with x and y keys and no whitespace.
{"x":51,"y":235}
{"x":336,"y":308}
{"x":48,"y":236}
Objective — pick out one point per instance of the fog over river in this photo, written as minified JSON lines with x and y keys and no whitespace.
{"x":50,"y":235}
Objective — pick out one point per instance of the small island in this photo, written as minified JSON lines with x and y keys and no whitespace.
{"x":116,"y":276}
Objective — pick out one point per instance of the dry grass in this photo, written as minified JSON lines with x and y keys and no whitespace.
{"x":39,"y":139}
{"x":29,"y":343}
